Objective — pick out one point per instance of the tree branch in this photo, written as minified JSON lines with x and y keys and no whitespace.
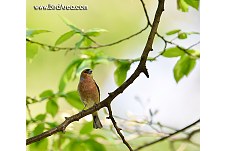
{"x":146,"y":14}
{"x":106,"y":102}
{"x":181,"y":48}
{"x":117,"y":128}
{"x":55,"y":48}
{"x":164,"y":138}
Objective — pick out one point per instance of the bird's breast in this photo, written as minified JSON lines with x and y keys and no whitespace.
{"x":88,"y":91}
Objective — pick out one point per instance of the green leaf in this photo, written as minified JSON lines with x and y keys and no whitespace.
{"x":52,"y":124}
{"x":38,"y":129}
{"x":46,"y":94}
{"x":52,"y":107}
{"x":28,"y":122}
{"x":77,"y":30}
{"x":95,"y":32}
{"x":173,"y":52}
{"x":64,"y":37}
{"x":183,"y":67}
{"x":68,"y":74}
{"x":120,"y":73}
{"x":194,"y":53}
{"x":91,"y":53}
{"x":68,"y":23}
{"x":193,"y":3}
{"x":73,"y":99}
{"x":98,"y":60}
{"x":40,"y":117}
{"x":173,"y":32}
{"x":31,"y":50}
{"x":87,"y":42}
{"x":87,"y":128}
{"x":57,"y":143}
{"x":76,"y":145}
{"x":79,"y":43}
{"x":86,"y":63}
{"x":182,"y":35}
{"x":39,"y":146}
{"x":94,"y":146}
{"x":32,"y":32}
{"x":193,"y":32}
{"x":182,"y":5}
{"x":94,"y":136}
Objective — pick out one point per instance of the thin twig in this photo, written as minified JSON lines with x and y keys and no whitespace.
{"x":146,"y":14}
{"x":181,"y":48}
{"x":117,"y":128}
{"x":29,"y":113}
{"x":55,"y":48}
{"x":170,"y":135}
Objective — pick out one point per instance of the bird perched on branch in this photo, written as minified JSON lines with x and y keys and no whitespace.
{"x":90,"y":94}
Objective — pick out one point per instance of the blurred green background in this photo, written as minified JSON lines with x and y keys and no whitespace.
{"x":178,"y":104}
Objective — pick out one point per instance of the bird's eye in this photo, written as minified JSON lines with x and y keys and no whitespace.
{"x":88,"y":71}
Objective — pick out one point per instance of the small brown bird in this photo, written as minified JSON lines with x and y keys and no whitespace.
{"x":90,"y":94}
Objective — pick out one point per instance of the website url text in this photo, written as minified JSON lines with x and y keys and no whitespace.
{"x":60,"y":7}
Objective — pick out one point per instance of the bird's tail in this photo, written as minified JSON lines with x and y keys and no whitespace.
{"x":96,"y":121}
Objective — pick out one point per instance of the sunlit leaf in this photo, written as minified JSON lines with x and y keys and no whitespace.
{"x":182,"y":5}
{"x":91,"y":53}
{"x":32,"y":32}
{"x":193,"y":32}
{"x":64,"y":37}
{"x":173,"y":32}
{"x":182,"y":35}
{"x":94,"y":145}
{"x":194,"y":52}
{"x":31,"y":50}
{"x":76,"y":145}
{"x":40,"y":117}
{"x":68,"y":23}
{"x":73,"y":99}
{"x":77,"y":30}
{"x":87,"y":128}
{"x":79,"y":43}
{"x":68,"y":74}
{"x":38,"y":129}
{"x":87,"y":42}
{"x":52,"y":107}
{"x":95,"y":32}
{"x":52,"y":124}
{"x":28,"y":122}
{"x":57,"y":143}
{"x":39,"y":146}
{"x":46,"y":94}
{"x":120,"y":73}
{"x":193,"y":3}
{"x":183,"y":67}
{"x":98,"y":60}
{"x":173,"y":52}
{"x":86,"y":63}
{"x":93,"y":136}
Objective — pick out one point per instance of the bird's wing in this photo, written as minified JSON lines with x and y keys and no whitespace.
{"x":98,"y":90}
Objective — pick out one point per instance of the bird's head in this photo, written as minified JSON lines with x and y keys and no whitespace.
{"x":86,"y":73}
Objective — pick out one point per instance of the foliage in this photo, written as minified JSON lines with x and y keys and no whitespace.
{"x":183,"y":5}
{"x":120,"y":73}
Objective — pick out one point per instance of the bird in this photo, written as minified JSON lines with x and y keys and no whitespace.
{"x":89,"y":94}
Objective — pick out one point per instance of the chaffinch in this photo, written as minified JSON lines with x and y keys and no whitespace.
{"x":89,"y":93}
